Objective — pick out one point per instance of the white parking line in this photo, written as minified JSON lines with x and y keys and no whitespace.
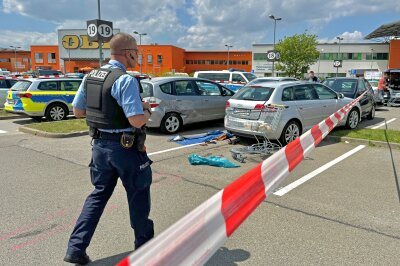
{"x":326,"y":166}
{"x":2,"y":131}
{"x":173,"y":149}
{"x":382,"y":124}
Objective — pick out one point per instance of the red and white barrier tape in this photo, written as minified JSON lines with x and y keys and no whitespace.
{"x":198,"y":235}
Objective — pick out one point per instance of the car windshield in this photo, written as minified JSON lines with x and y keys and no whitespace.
{"x":374,"y":83}
{"x":346,"y":86}
{"x":249,"y":76}
{"x":21,"y":85}
{"x":254,"y":93}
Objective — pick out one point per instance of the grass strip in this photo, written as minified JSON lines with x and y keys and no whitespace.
{"x":368,"y":134}
{"x":65,"y":126}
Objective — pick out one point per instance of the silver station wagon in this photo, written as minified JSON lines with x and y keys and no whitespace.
{"x":177,"y":101}
{"x":306,"y":104}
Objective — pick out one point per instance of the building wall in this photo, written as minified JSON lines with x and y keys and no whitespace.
{"x":368,"y":56}
{"x":22,"y":59}
{"x":41,"y":57}
{"x":394,"y":58}
{"x":217,"y":60}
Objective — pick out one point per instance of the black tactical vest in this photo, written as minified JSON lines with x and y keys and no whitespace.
{"x":102,"y":109}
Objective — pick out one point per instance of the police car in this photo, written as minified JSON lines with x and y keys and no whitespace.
{"x":37,"y":97}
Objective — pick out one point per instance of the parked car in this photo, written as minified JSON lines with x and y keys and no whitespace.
{"x":232,"y":79}
{"x":374,"y":84}
{"x":307,"y":104}
{"x":75,"y":75}
{"x":36,"y":98}
{"x":177,"y":101}
{"x":270,"y":79}
{"x":5,"y":84}
{"x":352,"y":88}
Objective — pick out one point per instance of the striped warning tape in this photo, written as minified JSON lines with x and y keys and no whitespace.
{"x":198,"y":235}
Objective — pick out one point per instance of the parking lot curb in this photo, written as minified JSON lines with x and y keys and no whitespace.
{"x":11,"y":117}
{"x":52,"y":135}
{"x":367,"y":142}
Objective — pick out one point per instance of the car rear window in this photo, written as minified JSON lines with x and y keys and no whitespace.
{"x":253,"y":93}
{"x":250,"y":76}
{"x":3,"y":84}
{"x":21,"y":85}
{"x":147,"y":89}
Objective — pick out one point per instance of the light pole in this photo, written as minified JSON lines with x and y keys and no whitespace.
{"x":273,"y":62}
{"x":100,"y":42}
{"x":227,"y":63}
{"x":15,"y":54}
{"x":340,"y":39}
{"x":372,"y":57}
{"x":319,"y":61}
{"x":69,"y":43}
{"x":141,"y":50}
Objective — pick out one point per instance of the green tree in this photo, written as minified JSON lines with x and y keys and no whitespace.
{"x":298,"y":52}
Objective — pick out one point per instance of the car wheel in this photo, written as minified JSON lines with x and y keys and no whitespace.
{"x":290,"y":132}
{"x":171,"y":123}
{"x":56,"y":112}
{"x":371,"y":114}
{"x":353,"y":119}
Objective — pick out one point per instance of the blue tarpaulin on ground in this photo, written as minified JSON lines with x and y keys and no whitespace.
{"x":218,"y":161}
{"x":200,"y":138}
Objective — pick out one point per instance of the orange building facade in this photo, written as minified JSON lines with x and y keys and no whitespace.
{"x":15,"y":61}
{"x":217,"y":60}
{"x":45,"y":57}
{"x":394,"y":54}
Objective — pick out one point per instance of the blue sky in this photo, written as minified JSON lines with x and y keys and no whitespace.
{"x":197,"y":24}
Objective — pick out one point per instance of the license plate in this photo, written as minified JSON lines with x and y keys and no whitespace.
{"x":240,"y":111}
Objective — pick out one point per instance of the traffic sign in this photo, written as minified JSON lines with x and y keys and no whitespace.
{"x":99,"y":30}
{"x":337,"y":63}
{"x":273,"y":56}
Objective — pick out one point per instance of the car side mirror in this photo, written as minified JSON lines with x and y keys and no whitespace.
{"x":340,"y":95}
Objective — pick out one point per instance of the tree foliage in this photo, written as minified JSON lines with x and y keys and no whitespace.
{"x":298,"y":52}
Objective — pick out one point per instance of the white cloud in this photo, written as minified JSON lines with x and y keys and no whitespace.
{"x":26,"y":39}
{"x":202,"y":24}
{"x":348,"y":37}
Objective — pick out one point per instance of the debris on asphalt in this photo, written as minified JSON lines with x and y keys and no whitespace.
{"x":216,"y":135}
{"x":218,"y":161}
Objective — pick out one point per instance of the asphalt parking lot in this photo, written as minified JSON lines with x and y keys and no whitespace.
{"x":348,"y":214}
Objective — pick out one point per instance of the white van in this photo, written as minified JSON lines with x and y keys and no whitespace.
{"x":233,"y":80}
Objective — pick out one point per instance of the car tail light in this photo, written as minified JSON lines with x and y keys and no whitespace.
{"x":24,"y":95}
{"x":154,"y":105}
{"x":259,"y":106}
{"x":227,"y":104}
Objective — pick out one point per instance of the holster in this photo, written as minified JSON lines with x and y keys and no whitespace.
{"x":94,"y":132}
{"x":140,"y":139}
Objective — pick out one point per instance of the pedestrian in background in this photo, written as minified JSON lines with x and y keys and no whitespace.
{"x":110,"y":100}
{"x":312,"y":77}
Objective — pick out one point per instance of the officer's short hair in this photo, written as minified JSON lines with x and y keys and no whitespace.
{"x":121,"y":41}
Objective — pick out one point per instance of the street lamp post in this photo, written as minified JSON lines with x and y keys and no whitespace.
{"x":340,"y":39}
{"x":141,"y":50}
{"x":69,"y":43}
{"x":319,"y":61}
{"x":15,"y":55}
{"x":372,"y":57}
{"x":228,"y":46}
{"x":273,"y":62}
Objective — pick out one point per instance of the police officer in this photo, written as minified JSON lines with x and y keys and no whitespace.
{"x":110,"y":100}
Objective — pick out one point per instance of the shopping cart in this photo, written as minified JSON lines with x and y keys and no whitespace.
{"x":268,"y":122}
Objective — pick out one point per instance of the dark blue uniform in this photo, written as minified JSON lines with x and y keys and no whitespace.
{"x":109,"y":161}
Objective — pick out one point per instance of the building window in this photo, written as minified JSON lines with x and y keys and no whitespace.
{"x":377,"y":56}
{"x":259,"y":56}
{"x":150,"y":59}
{"x":140,"y":59}
{"x":51,"y":58}
{"x":39,"y":57}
